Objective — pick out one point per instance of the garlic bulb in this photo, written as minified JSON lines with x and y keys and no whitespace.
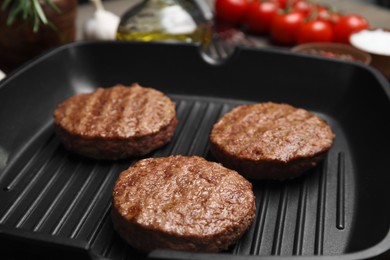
{"x":2,"y":75}
{"x":103,"y":25}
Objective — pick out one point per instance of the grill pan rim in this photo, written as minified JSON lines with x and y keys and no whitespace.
{"x":367,"y":253}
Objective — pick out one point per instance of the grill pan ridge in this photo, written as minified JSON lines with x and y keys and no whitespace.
{"x":54,"y":201}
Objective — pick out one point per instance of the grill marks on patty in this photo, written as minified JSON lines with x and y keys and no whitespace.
{"x":189,"y":198}
{"x":117,"y":122}
{"x":266,"y":131}
{"x":118,"y":111}
{"x":267,"y":137}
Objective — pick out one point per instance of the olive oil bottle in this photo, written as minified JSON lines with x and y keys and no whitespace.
{"x":166,"y":20}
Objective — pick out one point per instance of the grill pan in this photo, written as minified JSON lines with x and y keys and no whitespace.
{"x":55,"y":205}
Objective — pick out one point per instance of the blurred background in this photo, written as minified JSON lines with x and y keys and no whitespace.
{"x":90,"y":20}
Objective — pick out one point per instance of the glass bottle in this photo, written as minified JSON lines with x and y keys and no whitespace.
{"x":167,"y":20}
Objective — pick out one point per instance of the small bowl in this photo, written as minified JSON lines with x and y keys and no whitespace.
{"x":333,"y":50}
{"x":380,"y":56}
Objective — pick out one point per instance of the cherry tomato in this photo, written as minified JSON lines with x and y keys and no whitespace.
{"x":334,"y":18}
{"x":325,"y":14}
{"x":282,"y":3}
{"x":302,"y":6}
{"x":347,"y":25}
{"x":321,"y":8}
{"x":259,"y":16}
{"x":315,"y":31}
{"x":231,"y":11}
{"x":284,"y":27}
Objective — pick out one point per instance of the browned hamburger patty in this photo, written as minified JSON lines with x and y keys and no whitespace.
{"x":270,"y":141}
{"x":116,"y":122}
{"x":181,"y":203}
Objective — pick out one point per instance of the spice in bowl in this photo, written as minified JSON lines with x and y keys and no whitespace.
{"x":334,"y":50}
{"x":330,"y":54}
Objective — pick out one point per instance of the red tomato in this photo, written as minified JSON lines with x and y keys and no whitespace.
{"x":302,"y":6}
{"x":334,"y":18}
{"x":259,"y":16}
{"x":321,"y":8}
{"x":284,"y":27}
{"x":315,"y":31}
{"x":327,"y":15}
{"x":347,"y":25}
{"x":282,"y":3}
{"x":231,"y":11}
{"x":323,"y":13}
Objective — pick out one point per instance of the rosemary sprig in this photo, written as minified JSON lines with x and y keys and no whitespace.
{"x":29,"y":11}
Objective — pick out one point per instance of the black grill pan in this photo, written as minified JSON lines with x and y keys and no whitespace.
{"x":55,"y":205}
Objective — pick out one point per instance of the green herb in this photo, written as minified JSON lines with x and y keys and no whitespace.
{"x":29,"y":11}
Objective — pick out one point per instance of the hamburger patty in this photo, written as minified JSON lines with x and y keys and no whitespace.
{"x":116,"y":122}
{"x":270,"y":141}
{"x":181,"y":203}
